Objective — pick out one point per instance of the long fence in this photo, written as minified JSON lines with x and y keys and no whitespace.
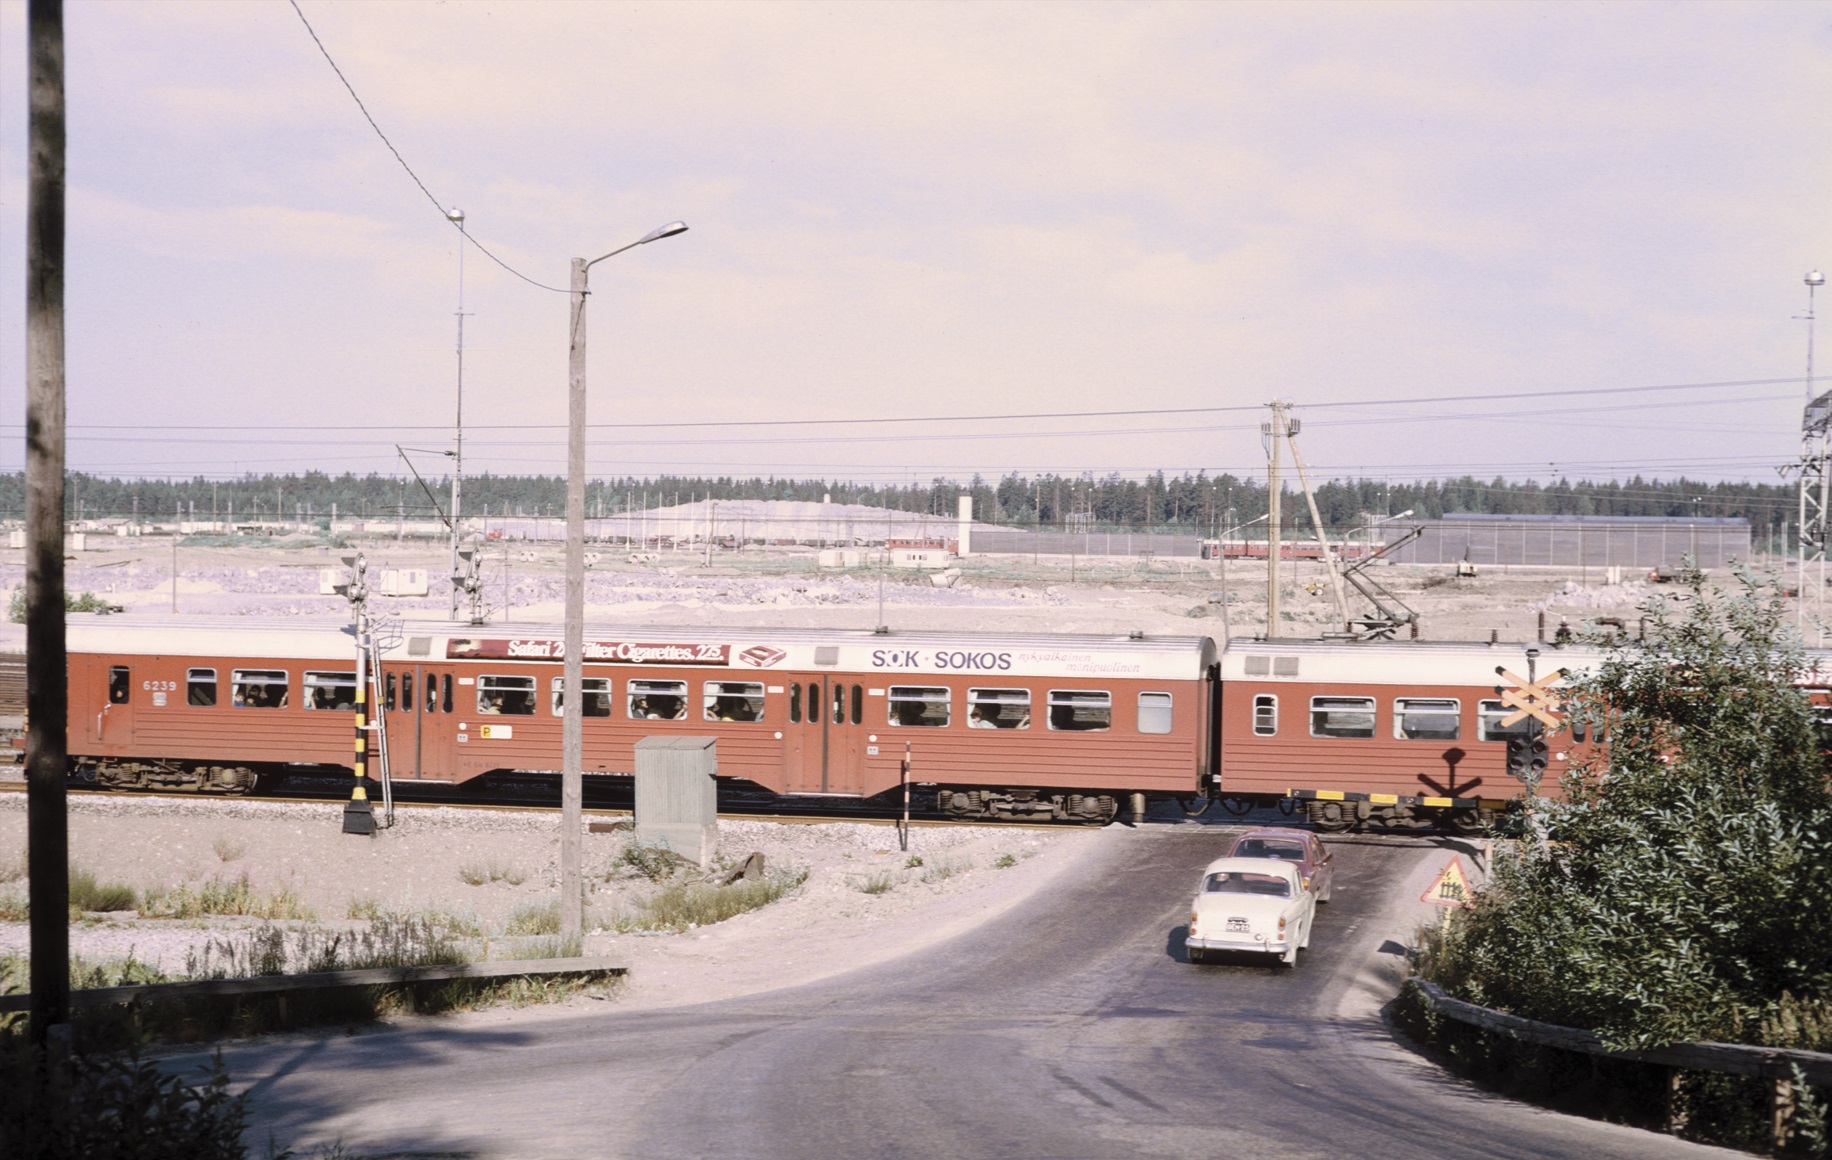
{"x":1578,"y":542}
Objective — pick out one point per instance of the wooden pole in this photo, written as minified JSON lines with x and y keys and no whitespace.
{"x":572,"y":723}
{"x":47,"y":689}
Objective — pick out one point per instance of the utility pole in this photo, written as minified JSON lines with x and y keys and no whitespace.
{"x":47,"y":664}
{"x":456,"y":217}
{"x":1274,"y":432}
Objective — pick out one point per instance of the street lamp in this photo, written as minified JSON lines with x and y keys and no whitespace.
{"x":572,"y":724}
{"x":456,"y":217}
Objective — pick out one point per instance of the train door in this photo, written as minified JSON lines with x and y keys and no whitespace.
{"x":418,"y":705}
{"x":113,"y":686}
{"x":824,"y":744}
{"x":845,"y":736}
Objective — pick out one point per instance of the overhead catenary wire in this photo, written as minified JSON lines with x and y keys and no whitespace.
{"x":466,"y":235}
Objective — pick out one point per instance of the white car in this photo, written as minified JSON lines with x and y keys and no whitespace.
{"x":1251,"y":904}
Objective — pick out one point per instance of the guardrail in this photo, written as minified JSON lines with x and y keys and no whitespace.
{"x":1776,"y":1064}
{"x":325,"y":980}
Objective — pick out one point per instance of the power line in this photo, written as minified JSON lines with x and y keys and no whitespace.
{"x":465,"y":234}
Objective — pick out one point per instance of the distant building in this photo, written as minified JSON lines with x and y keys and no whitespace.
{"x":1575,"y":541}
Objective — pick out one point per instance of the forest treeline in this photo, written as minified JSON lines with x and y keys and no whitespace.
{"x":1199,"y":502}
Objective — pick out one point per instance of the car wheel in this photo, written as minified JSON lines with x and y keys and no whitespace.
{"x":1198,"y":956}
{"x":1324,"y":897}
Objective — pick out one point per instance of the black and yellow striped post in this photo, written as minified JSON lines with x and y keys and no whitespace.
{"x":359,"y":815}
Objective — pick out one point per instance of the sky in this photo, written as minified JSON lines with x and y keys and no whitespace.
{"x":951,"y":214}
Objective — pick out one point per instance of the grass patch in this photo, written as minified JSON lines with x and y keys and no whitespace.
{"x":542,"y":918}
{"x":1004,"y":861}
{"x":483,"y":873}
{"x":228,"y":849}
{"x":14,"y":906}
{"x":914,"y":861}
{"x":691,"y":904}
{"x":13,"y":871}
{"x":946,"y":869}
{"x":880,"y":883}
{"x":89,"y":893}
{"x":225,"y":896}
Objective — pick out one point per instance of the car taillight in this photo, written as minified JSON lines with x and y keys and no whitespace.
{"x":1281,"y":926}
{"x":1192,"y":922}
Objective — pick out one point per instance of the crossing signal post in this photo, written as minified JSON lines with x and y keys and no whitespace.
{"x":1536,"y":704}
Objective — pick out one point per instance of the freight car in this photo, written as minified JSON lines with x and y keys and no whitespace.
{"x":993,"y":725}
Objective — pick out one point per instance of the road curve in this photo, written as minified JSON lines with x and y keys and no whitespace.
{"x":1070,"y":1027}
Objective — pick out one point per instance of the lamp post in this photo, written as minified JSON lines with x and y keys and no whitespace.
{"x":572,"y":724}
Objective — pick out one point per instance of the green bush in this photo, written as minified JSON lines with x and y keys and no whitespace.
{"x":1669,"y":897}
{"x":87,"y":602}
{"x":118,"y":1106}
{"x":86,"y":893}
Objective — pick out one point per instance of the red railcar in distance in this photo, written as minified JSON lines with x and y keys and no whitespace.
{"x":1000,"y":725}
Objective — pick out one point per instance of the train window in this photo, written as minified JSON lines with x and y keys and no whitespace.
{"x":733,"y":701}
{"x":795,"y":702}
{"x":839,"y":704}
{"x":407,"y":692}
{"x":388,"y":696}
{"x":1265,"y":715}
{"x":658,"y":700}
{"x":1080,"y":710}
{"x":330,"y":691}
{"x":918,"y":706}
{"x":510,"y":696}
{"x":597,"y":702}
{"x":120,"y":684}
{"x":446,"y":700}
{"x":432,"y":692}
{"x":998,"y":708}
{"x":1489,"y":726}
{"x":814,"y":703}
{"x":200,"y":687}
{"x":1427,"y":718}
{"x":1342,"y":716}
{"x":258,"y":688}
{"x":1154,"y":712}
{"x":858,"y":704}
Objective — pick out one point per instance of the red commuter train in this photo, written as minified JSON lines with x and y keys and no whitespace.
{"x":994,"y":725}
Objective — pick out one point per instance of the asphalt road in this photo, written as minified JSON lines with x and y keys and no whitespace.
{"x":1073,"y":1027}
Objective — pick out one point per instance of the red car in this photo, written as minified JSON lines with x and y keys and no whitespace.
{"x":1303,"y":849}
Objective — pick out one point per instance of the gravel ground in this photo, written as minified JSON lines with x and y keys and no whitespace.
{"x":158,"y":844}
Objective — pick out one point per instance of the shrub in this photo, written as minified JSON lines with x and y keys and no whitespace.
{"x":879,"y":883}
{"x":227,"y":848}
{"x":1005,"y":860}
{"x":217,"y":896}
{"x":87,"y":602}
{"x":86,"y":893}
{"x":1664,"y":899}
{"x":946,"y":869}
{"x":655,"y":863}
{"x":691,"y":904}
{"x":118,"y":1107}
{"x":543,"y":918}
{"x":480,"y":873}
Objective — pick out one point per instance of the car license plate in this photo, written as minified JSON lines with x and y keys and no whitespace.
{"x":1237,"y":925}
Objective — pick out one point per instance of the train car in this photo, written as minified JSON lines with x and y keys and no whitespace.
{"x":1388,"y":731}
{"x":1000,"y":725}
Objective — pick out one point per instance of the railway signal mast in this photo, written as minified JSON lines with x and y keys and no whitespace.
{"x":1813,"y":466}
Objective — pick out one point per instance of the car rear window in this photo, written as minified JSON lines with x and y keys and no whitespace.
{"x":1270,"y":848}
{"x":1272,"y":885}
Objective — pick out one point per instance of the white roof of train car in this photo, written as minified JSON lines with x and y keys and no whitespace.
{"x":1394,"y":662}
{"x":729,"y":650}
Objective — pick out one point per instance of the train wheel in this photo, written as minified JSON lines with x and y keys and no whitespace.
{"x":1240,"y":807}
{"x":1464,"y":822}
{"x":1201,"y":808}
{"x":1330,"y":817}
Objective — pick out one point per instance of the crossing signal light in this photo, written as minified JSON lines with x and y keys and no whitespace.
{"x":1527,"y":757}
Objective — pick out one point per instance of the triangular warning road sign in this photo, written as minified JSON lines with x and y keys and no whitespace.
{"x":1450,"y":887}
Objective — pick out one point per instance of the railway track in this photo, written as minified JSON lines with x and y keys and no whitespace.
{"x":537,"y":803}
